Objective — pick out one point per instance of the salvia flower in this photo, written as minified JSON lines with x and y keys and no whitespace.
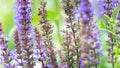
{"x":86,"y":11}
{"x":107,"y":6}
{"x":18,"y":54}
{"x":24,"y":28}
{"x":47,"y":38}
{"x":71,"y":33}
{"x":6,"y":53}
{"x":65,"y":60}
{"x":90,"y":41}
{"x":41,"y":54}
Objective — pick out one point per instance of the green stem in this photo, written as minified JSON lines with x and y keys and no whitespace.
{"x":95,"y":58}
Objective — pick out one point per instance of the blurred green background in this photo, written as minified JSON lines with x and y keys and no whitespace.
{"x":55,"y":16}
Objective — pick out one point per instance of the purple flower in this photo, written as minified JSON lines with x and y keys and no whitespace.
{"x":6,"y":53}
{"x":25,"y":32}
{"x":40,"y":54}
{"x":85,"y":17}
{"x":82,"y":64}
{"x":90,"y":35}
{"x":84,"y":10}
{"x":101,"y":53}
{"x":91,"y":59}
{"x":85,"y":7}
{"x":106,"y":6}
{"x":1,"y":60}
{"x":97,"y":45}
{"x":44,"y":43}
{"x":96,"y":36}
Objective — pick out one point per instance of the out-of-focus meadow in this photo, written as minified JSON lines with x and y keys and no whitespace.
{"x":55,"y":16}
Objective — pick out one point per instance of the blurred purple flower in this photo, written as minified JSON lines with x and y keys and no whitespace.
{"x":84,"y":10}
{"x":97,"y":62}
{"x":101,"y":53}
{"x":22,"y":20}
{"x":25,"y":32}
{"x":90,"y":34}
{"x":82,"y":64}
{"x":106,"y":6}
{"x":6,"y":53}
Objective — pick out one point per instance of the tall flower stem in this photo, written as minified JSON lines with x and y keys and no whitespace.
{"x":75,"y":43}
{"x":108,"y":7}
{"x":25,"y":31}
{"x":69,"y":8}
{"x":40,"y":47}
{"x":89,"y":35}
{"x":18,"y":48}
{"x":6,"y":53}
{"x":47,"y":30}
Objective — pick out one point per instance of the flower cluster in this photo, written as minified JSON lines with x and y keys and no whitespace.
{"x":81,"y":35}
{"x":81,"y":44}
{"x":47,"y":38}
{"x":71,"y":35}
{"x":24,"y":30}
{"x":18,"y":52}
{"x":107,"y":6}
{"x":6,"y":54}
{"x":89,"y":36}
{"x":41,"y":54}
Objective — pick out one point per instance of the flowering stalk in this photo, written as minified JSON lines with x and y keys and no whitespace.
{"x":72,"y":36}
{"x":18,"y":51}
{"x":108,"y":7}
{"x":90,"y":42}
{"x":118,"y":24}
{"x":47,"y":31}
{"x":118,"y":27}
{"x":6,"y":53}
{"x":24,"y":28}
{"x":67,"y":42}
{"x":40,"y":48}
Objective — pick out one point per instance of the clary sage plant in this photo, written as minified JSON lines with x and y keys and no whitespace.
{"x":81,"y":36}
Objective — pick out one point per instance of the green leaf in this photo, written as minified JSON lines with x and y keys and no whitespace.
{"x":52,"y":14}
{"x":11,"y":35}
{"x":107,"y":17}
{"x":108,"y":31}
{"x":115,"y":11}
{"x":111,"y":20}
{"x":102,"y":24}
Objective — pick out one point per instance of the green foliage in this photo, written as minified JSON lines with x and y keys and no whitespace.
{"x":109,"y":25}
{"x":115,"y":11}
